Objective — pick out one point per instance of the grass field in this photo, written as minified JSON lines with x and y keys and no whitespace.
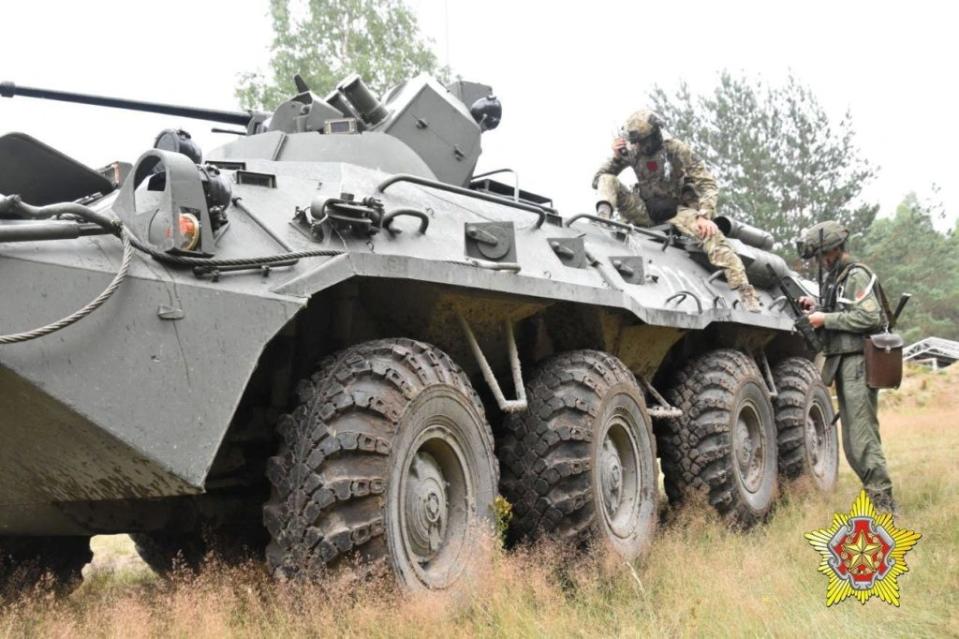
{"x":700,"y":579}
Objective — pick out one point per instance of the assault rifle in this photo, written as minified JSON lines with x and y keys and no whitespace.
{"x":802,"y":320}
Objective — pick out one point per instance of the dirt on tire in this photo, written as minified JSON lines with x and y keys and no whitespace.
{"x":552,"y":456}
{"x":699,"y":451}
{"x":813,"y":448}
{"x":342,"y":449}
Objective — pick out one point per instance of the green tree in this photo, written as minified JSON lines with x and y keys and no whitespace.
{"x":910,"y":256}
{"x":781,"y":163}
{"x":378,"y":39}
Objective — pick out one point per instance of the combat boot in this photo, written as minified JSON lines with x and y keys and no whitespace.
{"x":883,"y":501}
{"x":749,"y":299}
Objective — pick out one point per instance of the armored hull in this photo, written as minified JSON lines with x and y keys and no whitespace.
{"x":177,"y":403}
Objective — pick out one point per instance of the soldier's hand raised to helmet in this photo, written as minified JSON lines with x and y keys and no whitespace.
{"x":705,"y":228}
{"x":619,"y":146}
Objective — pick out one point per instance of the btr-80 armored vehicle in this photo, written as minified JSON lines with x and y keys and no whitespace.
{"x":330,"y":341}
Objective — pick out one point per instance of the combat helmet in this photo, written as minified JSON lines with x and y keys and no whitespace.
{"x":644,"y":129}
{"x":820,"y":238}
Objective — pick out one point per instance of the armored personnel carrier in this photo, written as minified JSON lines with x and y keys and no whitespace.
{"x":332,"y":343}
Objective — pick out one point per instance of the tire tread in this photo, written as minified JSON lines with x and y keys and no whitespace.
{"x":330,"y":474}
{"x":544,"y":452}
{"x":695,"y":449}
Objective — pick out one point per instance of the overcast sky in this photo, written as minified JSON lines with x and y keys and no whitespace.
{"x":567,"y":73}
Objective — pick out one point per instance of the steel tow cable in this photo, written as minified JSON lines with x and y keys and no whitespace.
{"x":115,"y":227}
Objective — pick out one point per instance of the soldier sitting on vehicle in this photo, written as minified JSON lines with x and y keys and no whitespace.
{"x":673,"y":186}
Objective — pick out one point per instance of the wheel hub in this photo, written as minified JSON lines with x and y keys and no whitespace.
{"x":748,"y":440}
{"x":618,"y":475}
{"x":812,"y":437}
{"x":816,"y":439}
{"x":427,"y":506}
{"x":745,"y":449}
{"x":611,"y":476}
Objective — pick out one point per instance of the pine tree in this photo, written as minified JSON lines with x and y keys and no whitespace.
{"x":782,"y":165}
{"x":378,"y":39}
{"x":910,"y":256}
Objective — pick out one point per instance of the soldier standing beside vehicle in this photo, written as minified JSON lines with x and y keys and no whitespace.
{"x":850,"y":310}
{"x":673,"y":186}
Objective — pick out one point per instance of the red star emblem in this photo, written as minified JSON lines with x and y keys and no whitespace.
{"x":863,"y":554}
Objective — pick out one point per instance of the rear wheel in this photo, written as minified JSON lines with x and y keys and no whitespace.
{"x":724,"y":445}
{"x":580,"y":463}
{"x":808,"y":441}
{"x":388,"y":459}
{"x":26,"y":561}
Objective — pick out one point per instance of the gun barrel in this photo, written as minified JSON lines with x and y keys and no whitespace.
{"x":9,"y":90}
{"x":903,"y":299}
{"x":16,"y":231}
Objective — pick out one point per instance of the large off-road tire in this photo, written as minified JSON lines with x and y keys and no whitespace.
{"x":26,"y":561}
{"x":808,"y":439}
{"x":724,"y":445}
{"x":164,"y":551}
{"x":387,"y":460}
{"x":580,"y":464}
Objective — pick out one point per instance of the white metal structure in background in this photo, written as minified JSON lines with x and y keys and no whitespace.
{"x":933,"y":350}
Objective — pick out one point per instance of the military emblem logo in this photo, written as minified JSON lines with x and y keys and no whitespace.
{"x":863,"y":553}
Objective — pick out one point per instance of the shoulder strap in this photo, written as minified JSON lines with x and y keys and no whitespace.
{"x":886,"y":310}
{"x":844,"y":273}
{"x":839,"y":281}
{"x":883,"y":301}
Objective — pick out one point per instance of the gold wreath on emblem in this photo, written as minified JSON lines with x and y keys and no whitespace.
{"x":863,"y":553}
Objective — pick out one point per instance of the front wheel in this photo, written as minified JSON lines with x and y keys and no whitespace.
{"x":387,"y":459}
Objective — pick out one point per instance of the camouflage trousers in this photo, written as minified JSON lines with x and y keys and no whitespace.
{"x":632,"y":208}
{"x":858,"y":410}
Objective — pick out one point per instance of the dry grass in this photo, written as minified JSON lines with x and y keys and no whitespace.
{"x":700,"y":580}
{"x":922,"y":387}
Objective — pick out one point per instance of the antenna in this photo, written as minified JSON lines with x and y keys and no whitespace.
{"x":446,"y":17}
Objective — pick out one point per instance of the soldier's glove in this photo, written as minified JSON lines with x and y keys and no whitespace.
{"x":809,"y":333}
{"x":604,"y":209}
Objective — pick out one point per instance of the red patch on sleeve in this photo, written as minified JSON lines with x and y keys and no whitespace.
{"x":652,"y":165}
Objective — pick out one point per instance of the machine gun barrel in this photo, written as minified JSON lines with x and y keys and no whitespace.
{"x":9,"y":90}
{"x":16,"y":231}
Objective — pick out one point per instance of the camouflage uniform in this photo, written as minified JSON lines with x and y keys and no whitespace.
{"x":852,"y":310}
{"x":676,"y":176}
